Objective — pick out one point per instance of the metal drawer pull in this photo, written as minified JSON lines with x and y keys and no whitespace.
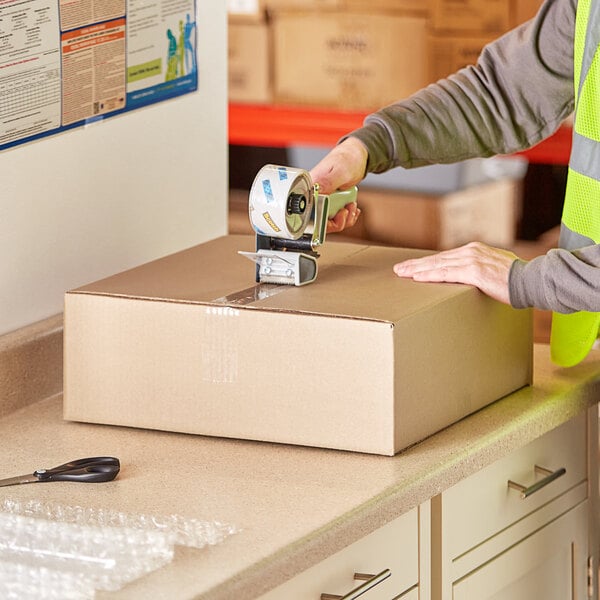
{"x":549,"y":477}
{"x":370,"y":581}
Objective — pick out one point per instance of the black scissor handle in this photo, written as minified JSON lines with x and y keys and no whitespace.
{"x":86,"y":470}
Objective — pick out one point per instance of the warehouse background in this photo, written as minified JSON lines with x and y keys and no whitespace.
{"x":354,"y":56}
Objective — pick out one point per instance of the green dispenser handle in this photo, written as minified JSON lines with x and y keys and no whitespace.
{"x":339,"y":199}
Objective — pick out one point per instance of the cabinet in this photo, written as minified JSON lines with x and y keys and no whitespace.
{"x":550,"y":564}
{"x":495,"y":540}
{"x":392,"y":563}
{"x":522,"y":528}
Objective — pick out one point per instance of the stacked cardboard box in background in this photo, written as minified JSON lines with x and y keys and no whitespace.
{"x":249,"y":53}
{"x":486,"y":213}
{"x":249,"y":60}
{"x":357,"y":54}
{"x":349,"y":59}
{"x":476,"y":16}
{"x":459,"y":30}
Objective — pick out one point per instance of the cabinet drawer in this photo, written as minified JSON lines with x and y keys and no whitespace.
{"x":412,"y":595}
{"x":550,"y":564}
{"x":394,"y":546}
{"x":484,"y":504}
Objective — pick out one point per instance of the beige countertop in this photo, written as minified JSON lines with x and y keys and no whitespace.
{"x":293,"y":506}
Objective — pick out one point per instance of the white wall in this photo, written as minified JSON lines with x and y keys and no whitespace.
{"x":94,"y":201}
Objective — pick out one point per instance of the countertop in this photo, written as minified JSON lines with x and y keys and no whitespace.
{"x":293,"y":506}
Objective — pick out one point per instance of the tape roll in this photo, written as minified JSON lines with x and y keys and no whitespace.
{"x":281,"y":202}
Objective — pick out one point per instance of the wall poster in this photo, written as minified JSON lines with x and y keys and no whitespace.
{"x":65,"y":63}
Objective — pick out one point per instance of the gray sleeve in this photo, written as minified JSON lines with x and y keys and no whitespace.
{"x":563,"y":281}
{"x":519,"y":92}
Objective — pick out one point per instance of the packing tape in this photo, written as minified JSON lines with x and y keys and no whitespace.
{"x":220,"y":345}
{"x":272,"y":192}
{"x":256,"y":293}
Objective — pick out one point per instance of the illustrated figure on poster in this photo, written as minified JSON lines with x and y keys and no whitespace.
{"x":180,"y":51}
{"x":171,"y":57}
{"x":189,"y":45}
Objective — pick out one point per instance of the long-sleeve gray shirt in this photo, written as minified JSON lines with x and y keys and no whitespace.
{"x":519,"y":93}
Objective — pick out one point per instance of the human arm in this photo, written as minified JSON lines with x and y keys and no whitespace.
{"x":564,"y":281}
{"x":561,"y":280}
{"x":475,"y":264}
{"x":518,"y":93}
{"x":342,"y":168}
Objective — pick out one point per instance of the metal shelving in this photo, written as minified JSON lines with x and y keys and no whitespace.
{"x":281,"y":126}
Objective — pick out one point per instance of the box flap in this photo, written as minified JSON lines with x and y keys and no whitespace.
{"x":211,"y":273}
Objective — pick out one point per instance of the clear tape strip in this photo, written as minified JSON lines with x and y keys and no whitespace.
{"x":260,"y":291}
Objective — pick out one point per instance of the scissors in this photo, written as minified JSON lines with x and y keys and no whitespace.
{"x":88,"y":470}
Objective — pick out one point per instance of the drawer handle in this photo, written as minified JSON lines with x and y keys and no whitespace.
{"x":370,"y":581}
{"x":549,"y":477}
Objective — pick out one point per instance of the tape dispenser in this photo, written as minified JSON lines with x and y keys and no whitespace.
{"x":289,"y":217}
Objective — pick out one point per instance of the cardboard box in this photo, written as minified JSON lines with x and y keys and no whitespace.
{"x":249,"y":62}
{"x":282,"y":5}
{"x":245,"y":11}
{"x":523,"y":10}
{"x":239,"y":221}
{"x":404,"y":6}
{"x":450,"y":53}
{"x":348,"y":60}
{"x":359,"y":360}
{"x":479,"y":17}
{"x":486,"y":213}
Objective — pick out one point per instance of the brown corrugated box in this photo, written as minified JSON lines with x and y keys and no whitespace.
{"x":249,"y":62}
{"x":449,"y":53}
{"x":353,"y":60}
{"x":487,"y":213}
{"x":245,"y":11}
{"x":523,"y":10}
{"x":461,"y":28}
{"x":481,"y":17}
{"x":277,"y":5}
{"x":359,"y":360}
{"x":406,"y":6}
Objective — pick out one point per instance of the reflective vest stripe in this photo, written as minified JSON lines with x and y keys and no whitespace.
{"x":571,"y":240}
{"x":584,"y":158}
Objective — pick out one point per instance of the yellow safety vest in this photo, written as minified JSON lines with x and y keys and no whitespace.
{"x":574,"y":334}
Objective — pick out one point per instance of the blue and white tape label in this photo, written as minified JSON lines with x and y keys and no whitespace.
{"x":268,"y":190}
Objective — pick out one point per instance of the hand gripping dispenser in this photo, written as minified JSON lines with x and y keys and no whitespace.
{"x":289,"y":217}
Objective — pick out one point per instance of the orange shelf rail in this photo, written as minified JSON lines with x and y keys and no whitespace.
{"x":554,"y":150}
{"x":281,"y":126}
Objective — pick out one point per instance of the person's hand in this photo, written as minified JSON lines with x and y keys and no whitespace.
{"x":475,"y":264}
{"x":343,"y":218}
{"x":342,"y":168}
